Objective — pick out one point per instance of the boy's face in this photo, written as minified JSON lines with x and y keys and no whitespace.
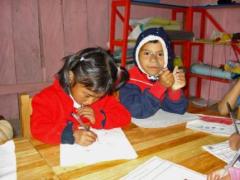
{"x":84,"y":96}
{"x":151,"y":58}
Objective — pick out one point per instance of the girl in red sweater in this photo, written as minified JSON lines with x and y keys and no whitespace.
{"x":84,"y":85}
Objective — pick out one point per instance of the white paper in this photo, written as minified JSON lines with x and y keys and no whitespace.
{"x":157,"y":168}
{"x":110,"y":145}
{"x":8,"y":161}
{"x":164,"y":119}
{"x":222,"y":151}
{"x":212,"y":128}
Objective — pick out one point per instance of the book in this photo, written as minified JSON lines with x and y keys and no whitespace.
{"x":222,"y":151}
{"x":157,"y":168}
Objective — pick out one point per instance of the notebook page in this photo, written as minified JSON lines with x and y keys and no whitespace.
{"x":110,"y":145}
{"x":164,"y":119}
{"x":211,"y":127}
{"x":222,"y":151}
{"x":8,"y":161}
{"x":156,"y":168}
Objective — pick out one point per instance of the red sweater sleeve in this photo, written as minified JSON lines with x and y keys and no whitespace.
{"x":110,"y":113}
{"x":47,"y":120}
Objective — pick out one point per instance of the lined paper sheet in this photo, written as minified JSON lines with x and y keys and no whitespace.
{"x":110,"y":145}
{"x":8,"y":161}
{"x":211,"y":127}
{"x":156,"y":168}
{"x":222,"y":151}
{"x":164,"y":119}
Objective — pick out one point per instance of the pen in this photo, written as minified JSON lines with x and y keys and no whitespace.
{"x":231,"y":115}
{"x":79,"y":120}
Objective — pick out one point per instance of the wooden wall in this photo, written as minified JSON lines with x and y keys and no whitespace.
{"x":36,"y":34}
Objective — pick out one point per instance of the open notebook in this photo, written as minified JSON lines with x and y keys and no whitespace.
{"x":164,"y":119}
{"x":222,"y":151}
{"x":110,"y":145}
{"x":157,"y":168}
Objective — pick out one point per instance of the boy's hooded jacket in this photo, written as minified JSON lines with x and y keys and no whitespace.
{"x":143,"y":95}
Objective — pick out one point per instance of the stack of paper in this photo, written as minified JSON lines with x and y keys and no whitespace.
{"x":110,"y":145}
{"x":222,"y":151}
{"x":156,"y":168}
{"x":211,"y":127}
{"x":164,"y":119}
{"x":8,"y":161}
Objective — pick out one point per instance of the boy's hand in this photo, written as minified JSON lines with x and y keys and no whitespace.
{"x":179,"y":79}
{"x":166,"y":78}
{"x":83,"y":137}
{"x":234,"y":141}
{"x":87,"y":112}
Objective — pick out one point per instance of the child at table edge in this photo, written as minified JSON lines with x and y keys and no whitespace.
{"x":152,"y":85}
{"x":232,"y":173}
{"x":84,"y":85}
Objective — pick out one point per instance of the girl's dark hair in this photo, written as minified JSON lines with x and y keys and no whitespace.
{"x":95,"y":69}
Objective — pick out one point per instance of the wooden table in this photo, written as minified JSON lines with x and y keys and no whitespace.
{"x":176,"y":143}
{"x":30,"y":163}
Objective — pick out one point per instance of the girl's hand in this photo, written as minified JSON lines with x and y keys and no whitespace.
{"x":87,"y":112}
{"x":234,"y":141}
{"x":219,"y":175}
{"x":179,"y":79}
{"x":166,"y":78}
{"x":83,"y":137}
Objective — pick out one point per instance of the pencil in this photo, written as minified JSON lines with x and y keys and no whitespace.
{"x":79,"y":120}
{"x":231,"y":115}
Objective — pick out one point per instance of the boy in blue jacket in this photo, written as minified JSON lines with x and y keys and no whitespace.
{"x":152,"y":85}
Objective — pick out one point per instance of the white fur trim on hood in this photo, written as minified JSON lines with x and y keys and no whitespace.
{"x":144,"y":41}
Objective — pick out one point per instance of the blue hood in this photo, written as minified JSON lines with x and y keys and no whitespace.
{"x":152,"y":34}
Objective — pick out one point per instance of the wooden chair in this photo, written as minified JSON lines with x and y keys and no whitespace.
{"x":25,"y":110}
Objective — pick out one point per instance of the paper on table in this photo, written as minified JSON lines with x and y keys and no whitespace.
{"x":212,"y":128}
{"x":222,"y":151}
{"x":164,"y":119}
{"x":8,"y":161}
{"x":157,"y":168}
{"x":110,"y":145}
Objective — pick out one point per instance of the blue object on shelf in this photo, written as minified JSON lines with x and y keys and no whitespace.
{"x":208,"y":70}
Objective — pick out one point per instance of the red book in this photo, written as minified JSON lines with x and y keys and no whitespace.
{"x":216,"y":119}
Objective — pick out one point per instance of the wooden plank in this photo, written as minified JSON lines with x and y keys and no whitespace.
{"x":30,"y":164}
{"x":75,"y":23}
{"x":7,"y":68}
{"x":21,"y":88}
{"x":98,"y":22}
{"x":52,"y":37}
{"x":26,"y":41}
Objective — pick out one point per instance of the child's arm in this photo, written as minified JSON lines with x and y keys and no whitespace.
{"x":140,"y":104}
{"x":45,"y":123}
{"x":110,"y":113}
{"x":230,"y":97}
